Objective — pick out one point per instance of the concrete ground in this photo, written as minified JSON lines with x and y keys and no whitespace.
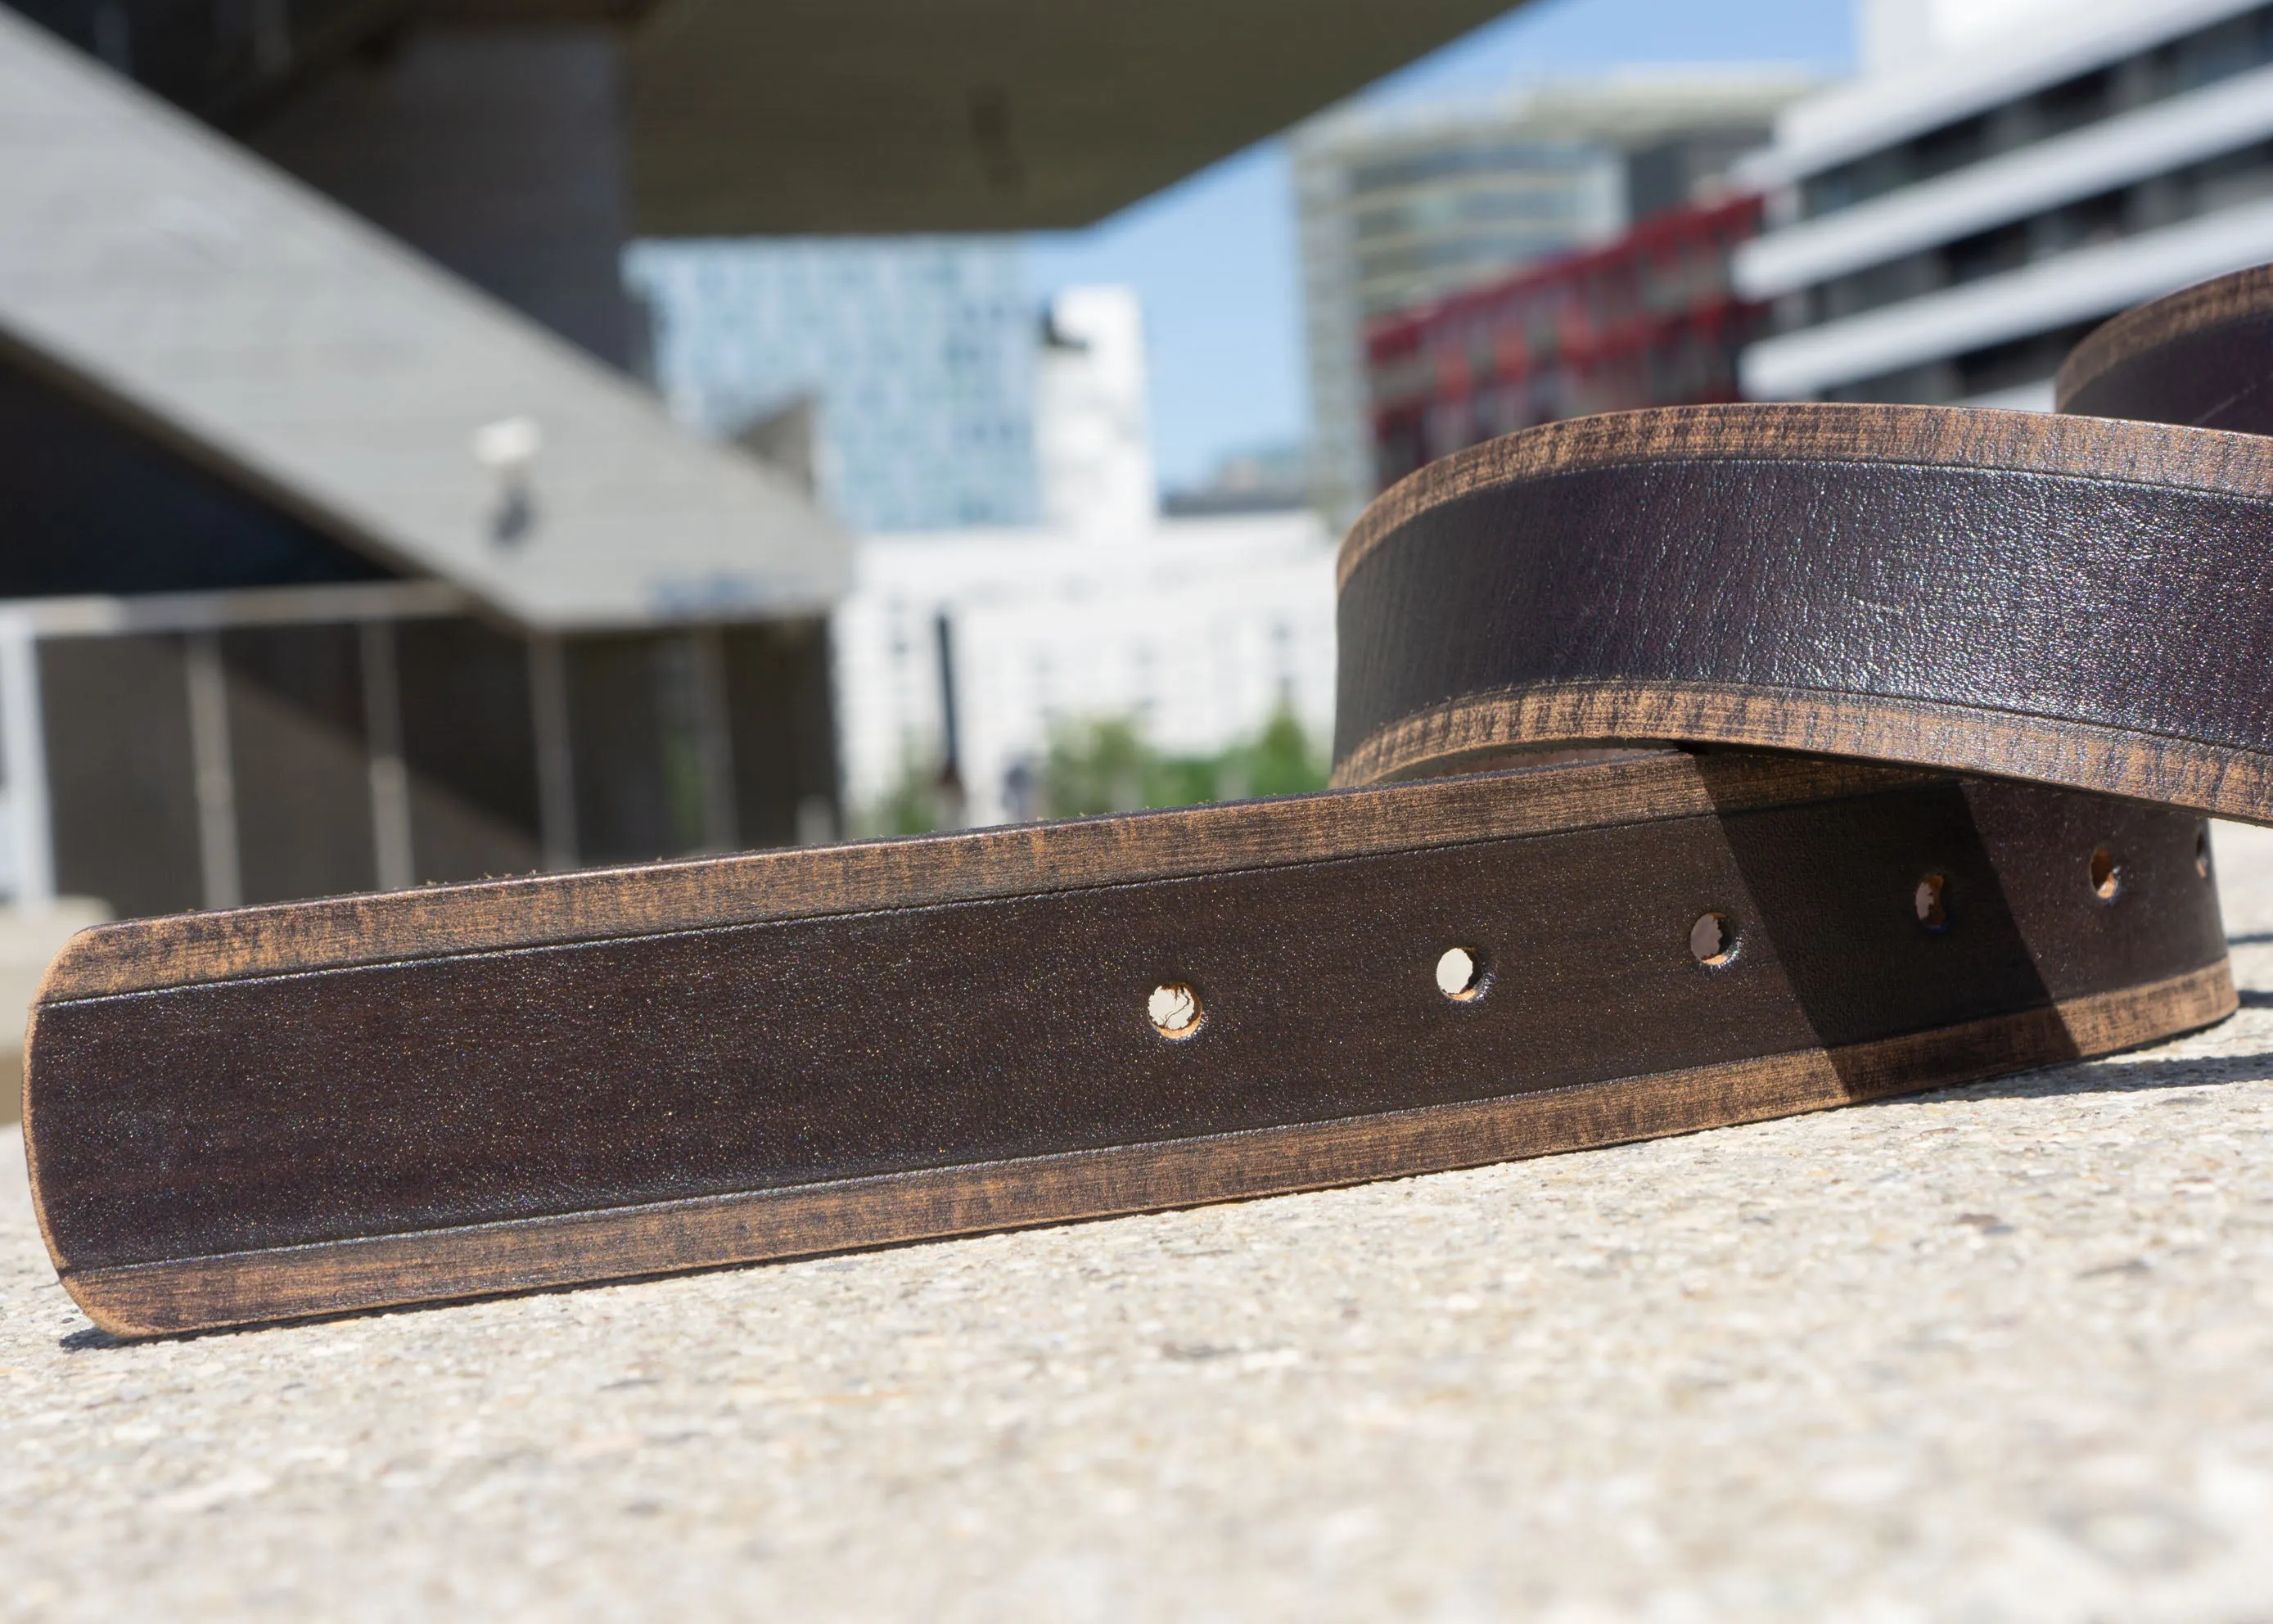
{"x":2005,"y":1352}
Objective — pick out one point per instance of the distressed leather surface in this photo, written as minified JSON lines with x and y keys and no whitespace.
{"x":2198,"y":358}
{"x":508,"y":1087}
{"x":2128,"y":605}
{"x":281,"y":1110}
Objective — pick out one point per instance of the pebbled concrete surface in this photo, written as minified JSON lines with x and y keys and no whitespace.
{"x":2000,"y":1353}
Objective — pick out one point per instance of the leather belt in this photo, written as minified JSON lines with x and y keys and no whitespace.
{"x":1953,"y":690}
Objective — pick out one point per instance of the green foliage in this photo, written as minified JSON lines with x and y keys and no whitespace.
{"x":1103,"y":767}
{"x":917,"y":804}
{"x":1281,"y":762}
{"x":1106,"y":766}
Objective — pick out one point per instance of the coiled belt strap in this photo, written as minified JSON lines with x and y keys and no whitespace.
{"x":1977,"y":627}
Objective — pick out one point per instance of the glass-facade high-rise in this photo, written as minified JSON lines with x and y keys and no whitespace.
{"x":916,"y":355}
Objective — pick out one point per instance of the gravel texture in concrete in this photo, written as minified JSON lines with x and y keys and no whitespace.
{"x":2005,"y":1352}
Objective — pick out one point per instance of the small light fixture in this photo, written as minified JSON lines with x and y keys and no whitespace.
{"x":508,"y":448}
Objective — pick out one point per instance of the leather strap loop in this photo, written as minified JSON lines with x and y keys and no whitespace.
{"x":2067,"y":601}
{"x":2198,"y":357}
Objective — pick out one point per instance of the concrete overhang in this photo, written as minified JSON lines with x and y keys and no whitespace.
{"x":880,"y":115}
{"x":260,"y":330}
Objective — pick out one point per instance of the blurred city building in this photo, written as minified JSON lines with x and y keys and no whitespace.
{"x":1270,"y":479}
{"x":913,"y":358}
{"x":343,"y":548}
{"x":925,"y":388}
{"x":1091,"y":415}
{"x":960,"y":655}
{"x":1652,"y":320}
{"x":2006,"y":174}
{"x":1400,"y":206}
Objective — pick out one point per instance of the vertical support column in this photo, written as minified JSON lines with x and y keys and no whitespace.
{"x":393,"y":864}
{"x":555,"y":766}
{"x":24,"y":752}
{"x":714,"y":730}
{"x":215,"y":775}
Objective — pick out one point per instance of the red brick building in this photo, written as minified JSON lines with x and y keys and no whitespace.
{"x":1650,"y":319}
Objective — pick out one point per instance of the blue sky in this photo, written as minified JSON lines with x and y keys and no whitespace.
{"x":1213,"y":258}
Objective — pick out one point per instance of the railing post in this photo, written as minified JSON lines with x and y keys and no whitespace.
{"x":393,"y":865}
{"x":206,"y":681}
{"x":24,"y":758}
{"x":556,"y":767}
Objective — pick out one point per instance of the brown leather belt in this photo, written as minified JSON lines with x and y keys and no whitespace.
{"x":1956,"y":690}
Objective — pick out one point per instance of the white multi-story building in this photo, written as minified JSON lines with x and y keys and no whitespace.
{"x":1094,"y":443}
{"x":2006,"y":174}
{"x":1196,"y":630}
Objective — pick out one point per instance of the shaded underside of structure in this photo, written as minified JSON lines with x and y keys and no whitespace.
{"x":841,"y":116}
{"x":856,"y":116}
{"x":94,"y":506}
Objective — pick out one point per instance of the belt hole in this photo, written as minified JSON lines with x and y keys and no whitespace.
{"x":2201,"y":851}
{"x":1713,"y":939}
{"x":1932,"y":902}
{"x":1175,"y":1011}
{"x":1460,"y":975}
{"x":2107,"y":874}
